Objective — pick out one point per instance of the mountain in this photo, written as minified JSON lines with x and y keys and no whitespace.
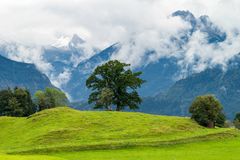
{"x":223,"y":83}
{"x":66,"y":54}
{"x":163,"y":71}
{"x":202,"y":24}
{"x":159,"y":76}
{"x":76,"y":86}
{"x":73,"y":59}
{"x":19,"y":74}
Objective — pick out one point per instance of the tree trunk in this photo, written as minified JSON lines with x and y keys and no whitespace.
{"x":109,"y":108}
{"x":211,"y":124}
{"x":118,"y":107}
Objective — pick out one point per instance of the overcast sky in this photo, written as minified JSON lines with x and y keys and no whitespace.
{"x":104,"y":22}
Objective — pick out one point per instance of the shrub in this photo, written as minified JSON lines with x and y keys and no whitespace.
{"x":207,"y":111}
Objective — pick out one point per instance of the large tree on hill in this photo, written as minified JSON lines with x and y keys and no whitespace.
{"x":114,"y":84}
{"x":207,"y":111}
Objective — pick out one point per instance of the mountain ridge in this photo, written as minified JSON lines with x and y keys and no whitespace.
{"x":18,"y":74}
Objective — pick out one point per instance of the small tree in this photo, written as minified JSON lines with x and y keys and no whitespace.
{"x":113,"y":83}
{"x":237,"y":116}
{"x":41,"y":100}
{"x":207,"y":111}
{"x":5,"y":95}
{"x":50,"y":98}
{"x":237,"y":121}
{"x":24,"y":99}
{"x":15,"y":108}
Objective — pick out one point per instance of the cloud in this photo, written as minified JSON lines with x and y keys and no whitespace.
{"x":101,"y":22}
{"x":62,"y":78}
{"x":139,"y":25}
{"x":198,"y":54}
{"x":26,"y":54}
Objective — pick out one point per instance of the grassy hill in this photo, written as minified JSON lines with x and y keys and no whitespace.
{"x":63,"y":130}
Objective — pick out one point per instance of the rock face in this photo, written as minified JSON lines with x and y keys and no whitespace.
{"x":19,"y":74}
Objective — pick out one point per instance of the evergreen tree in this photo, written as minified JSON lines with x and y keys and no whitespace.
{"x":16,"y":102}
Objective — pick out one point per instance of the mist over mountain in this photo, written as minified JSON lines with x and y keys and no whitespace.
{"x":70,"y":60}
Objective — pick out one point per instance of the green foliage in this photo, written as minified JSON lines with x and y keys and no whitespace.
{"x":16,"y":102}
{"x":14,"y":108}
{"x":40,"y":100}
{"x":237,"y":121}
{"x":113,"y":84}
{"x":220,"y":121}
{"x":105,"y":99}
{"x":25,"y":101}
{"x":237,"y":124}
{"x":50,"y":98}
{"x":207,"y":111}
{"x":237,"y":117}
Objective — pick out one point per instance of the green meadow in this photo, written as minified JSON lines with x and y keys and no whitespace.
{"x":67,"y":134}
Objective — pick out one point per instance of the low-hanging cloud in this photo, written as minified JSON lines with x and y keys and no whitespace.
{"x":139,"y":25}
{"x":27,"y":54}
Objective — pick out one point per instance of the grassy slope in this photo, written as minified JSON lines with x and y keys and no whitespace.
{"x":65,"y":129}
{"x":210,"y":150}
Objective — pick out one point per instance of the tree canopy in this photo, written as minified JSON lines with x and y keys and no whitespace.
{"x":237,"y":121}
{"x":207,"y":111}
{"x":114,"y":84}
{"x":16,"y":102}
{"x":50,"y":98}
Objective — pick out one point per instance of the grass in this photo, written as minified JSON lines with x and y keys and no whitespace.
{"x":211,"y":150}
{"x":28,"y":157}
{"x":67,"y":134}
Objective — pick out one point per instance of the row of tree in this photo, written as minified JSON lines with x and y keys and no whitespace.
{"x":18,"y":102}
